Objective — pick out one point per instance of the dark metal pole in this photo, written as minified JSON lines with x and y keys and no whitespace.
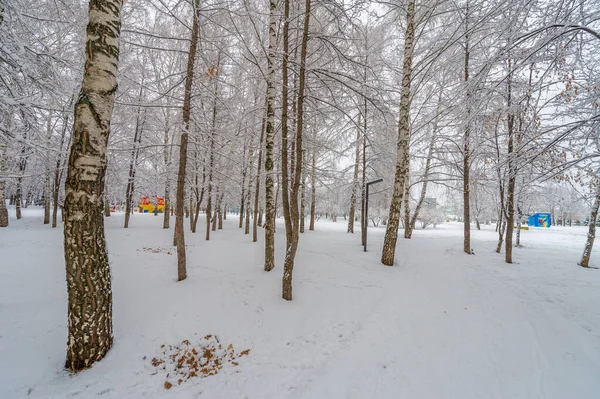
{"x":366,"y":215}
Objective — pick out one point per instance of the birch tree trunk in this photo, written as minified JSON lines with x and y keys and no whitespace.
{"x":243,"y":199}
{"x":179,"y":231}
{"x":167,"y":156}
{"x":47,"y":192}
{"x":402,"y":161}
{"x":249,"y":188}
{"x":87,"y":268}
{"x":589,"y":244}
{"x":406,"y":222}
{"x":3,"y":208}
{"x":269,"y":140}
{"x":303,"y":194}
{"x":313,"y":192}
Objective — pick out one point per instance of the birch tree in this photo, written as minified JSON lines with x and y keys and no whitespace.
{"x":88,"y":272}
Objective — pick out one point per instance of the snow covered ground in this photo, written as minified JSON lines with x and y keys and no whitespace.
{"x":440,"y":324}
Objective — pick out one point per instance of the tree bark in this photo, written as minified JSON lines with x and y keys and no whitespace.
{"x":589,"y":244}
{"x":3,"y":208}
{"x":313,"y":191}
{"x":179,"y":231}
{"x":363,"y":184}
{"x":220,"y":212}
{"x":269,"y":140}
{"x":510,"y":191}
{"x":58,"y":171}
{"x":406,"y":222}
{"x":391,"y":233}
{"x":87,"y":268}
{"x":255,"y":220}
{"x":290,"y":255}
{"x":167,"y":156}
{"x":243,"y":199}
{"x":466,"y":147}
{"x":47,"y":192}
{"x":303,"y":194}
{"x":215,"y":211}
{"x":355,"y":178}
{"x":135,"y":151}
{"x":249,"y":188}
{"x":285,"y":164}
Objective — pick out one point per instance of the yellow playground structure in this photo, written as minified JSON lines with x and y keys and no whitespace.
{"x":150,"y":204}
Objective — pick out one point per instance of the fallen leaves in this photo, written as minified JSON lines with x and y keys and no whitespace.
{"x":156,"y":250}
{"x":203,"y":358}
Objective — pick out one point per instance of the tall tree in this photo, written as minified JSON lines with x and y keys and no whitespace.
{"x":269,"y":141}
{"x":179,"y":233}
{"x":402,"y":161}
{"x":88,"y":272}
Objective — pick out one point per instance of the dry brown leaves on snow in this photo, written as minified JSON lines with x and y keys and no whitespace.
{"x":156,"y":250}
{"x":200,"y":359}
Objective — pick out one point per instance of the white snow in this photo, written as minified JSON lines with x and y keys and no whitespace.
{"x":439,"y":324}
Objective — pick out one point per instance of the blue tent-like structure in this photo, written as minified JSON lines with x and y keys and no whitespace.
{"x":540,"y":220}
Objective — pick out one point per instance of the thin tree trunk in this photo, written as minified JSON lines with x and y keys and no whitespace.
{"x":106,"y":205}
{"x":249,"y":188}
{"x":303,"y":194}
{"x":87,"y":268}
{"x":355,"y":178}
{"x":415,"y":215}
{"x":179,"y":230}
{"x":199,"y":198}
{"x":243,"y":199}
{"x":135,"y":151}
{"x":589,"y":244}
{"x":255,"y":220}
{"x":192,"y":209}
{"x":407,"y":206}
{"x":22,"y":164}
{"x":58,"y":171}
{"x":220,"y":212}
{"x":285,"y":164}
{"x":510,"y":192}
{"x":3,"y":208}
{"x":466,"y":147}
{"x":47,"y":180}
{"x":215,"y":215}
{"x":313,"y":191}
{"x":391,"y":233}
{"x":291,"y":249}
{"x":363,"y":187}
{"x":167,"y":156}
{"x":269,"y":140}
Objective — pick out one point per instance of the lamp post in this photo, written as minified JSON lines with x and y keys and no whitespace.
{"x":366,"y":215}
